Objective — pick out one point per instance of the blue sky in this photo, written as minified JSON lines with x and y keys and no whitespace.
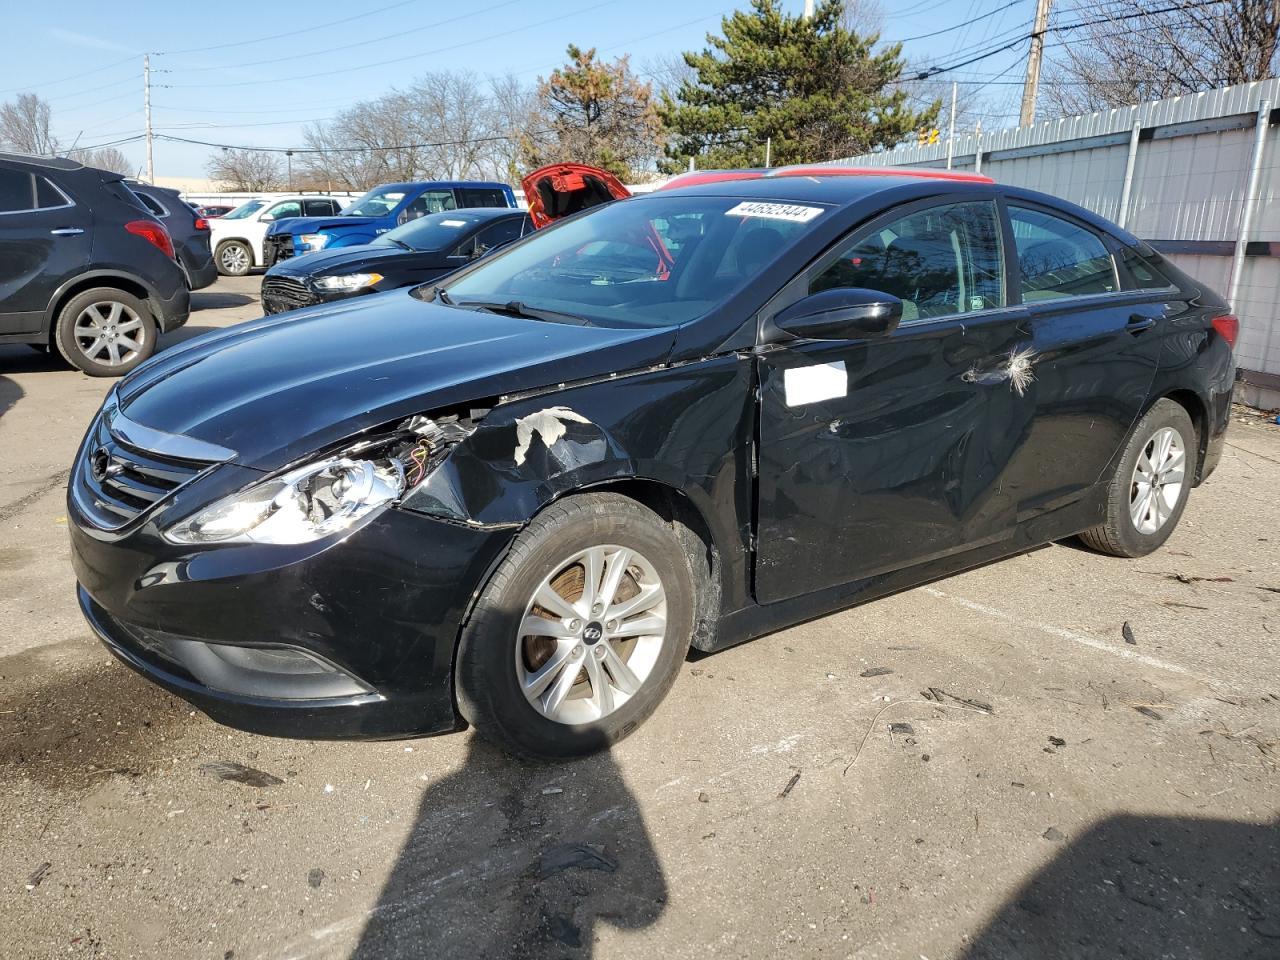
{"x":254,"y":73}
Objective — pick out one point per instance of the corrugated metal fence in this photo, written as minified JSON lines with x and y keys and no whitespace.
{"x":1175,"y":172}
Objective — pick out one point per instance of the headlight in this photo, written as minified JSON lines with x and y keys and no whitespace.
{"x":348,"y":282}
{"x":313,"y":241}
{"x":303,"y":505}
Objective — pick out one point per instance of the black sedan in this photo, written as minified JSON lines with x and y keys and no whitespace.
{"x":413,"y":253}
{"x":516,"y":498}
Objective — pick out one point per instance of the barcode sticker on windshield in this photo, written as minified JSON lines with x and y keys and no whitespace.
{"x":775,"y":211}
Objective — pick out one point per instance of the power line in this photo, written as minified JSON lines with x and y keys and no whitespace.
{"x":292,"y":32}
{"x":413,"y":56}
{"x":361,"y":149}
{"x":360,"y":43}
{"x":966,"y":23}
{"x":74,"y":76}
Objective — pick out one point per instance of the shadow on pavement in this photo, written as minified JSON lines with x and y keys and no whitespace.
{"x":495,"y":867}
{"x":1148,"y":887}
{"x":10,"y":393}
{"x":203,"y":300}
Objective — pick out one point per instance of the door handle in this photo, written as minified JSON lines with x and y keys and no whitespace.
{"x":67,"y":232}
{"x":1139,"y":323}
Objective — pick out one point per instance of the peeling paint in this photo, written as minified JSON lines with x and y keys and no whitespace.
{"x":549,"y":423}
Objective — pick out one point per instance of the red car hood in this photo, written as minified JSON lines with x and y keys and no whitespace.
{"x":560,"y":189}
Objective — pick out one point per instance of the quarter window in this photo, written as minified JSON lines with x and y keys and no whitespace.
{"x":15,"y":191}
{"x":1059,"y":259}
{"x":939,"y":261}
{"x":47,"y":195}
{"x":1142,"y":273}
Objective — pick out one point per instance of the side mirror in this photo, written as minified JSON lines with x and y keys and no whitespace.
{"x":841,"y":313}
{"x":266,"y":218}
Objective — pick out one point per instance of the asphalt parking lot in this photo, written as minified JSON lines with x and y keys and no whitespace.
{"x":1059,"y":755}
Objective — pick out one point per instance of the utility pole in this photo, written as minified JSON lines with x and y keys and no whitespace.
{"x":1031,"y":86}
{"x":289,"y":161}
{"x":146,"y":107}
{"x":951,"y":129}
{"x":808,"y":9}
{"x":768,"y":151}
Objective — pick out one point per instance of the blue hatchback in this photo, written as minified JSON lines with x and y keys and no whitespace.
{"x":378,"y":211}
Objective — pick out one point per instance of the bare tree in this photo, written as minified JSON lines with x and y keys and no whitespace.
{"x":863,"y":17}
{"x":1160,"y":53}
{"x":105,"y":158}
{"x":25,"y":126}
{"x":245,"y":170}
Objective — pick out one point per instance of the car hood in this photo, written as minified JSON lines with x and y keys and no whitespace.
{"x":280,"y":388}
{"x":347,"y":259}
{"x":300,"y":225}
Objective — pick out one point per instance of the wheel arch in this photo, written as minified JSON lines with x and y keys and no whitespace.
{"x":72,"y":288}
{"x":1198,"y":410}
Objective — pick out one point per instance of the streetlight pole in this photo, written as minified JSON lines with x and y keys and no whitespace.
{"x":146,"y":109}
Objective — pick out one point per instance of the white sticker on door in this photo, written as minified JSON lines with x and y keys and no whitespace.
{"x":774,"y":211}
{"x":823,"y":381}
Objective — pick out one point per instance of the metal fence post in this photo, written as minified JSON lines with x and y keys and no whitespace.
{"x":1129,"y":163}
{"x":1250,"y":201}
{"x":977,"y":147}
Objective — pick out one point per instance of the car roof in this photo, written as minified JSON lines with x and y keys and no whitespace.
{"x":836,"y":186}
{"x":48,"y":163}
{"x":407,"y":184}
{"x":485,"y":213}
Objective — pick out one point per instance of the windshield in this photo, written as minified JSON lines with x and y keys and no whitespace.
{"x":378,"y":202}
{"x":436,"y":231}
{"x":650,"y":262}
{"x":246,"y":209}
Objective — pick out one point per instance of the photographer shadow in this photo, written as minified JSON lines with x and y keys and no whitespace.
{"x":508,"y":859}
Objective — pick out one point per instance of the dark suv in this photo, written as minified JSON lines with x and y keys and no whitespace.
{"x":84,"y":267}
{"x":188,"y":228}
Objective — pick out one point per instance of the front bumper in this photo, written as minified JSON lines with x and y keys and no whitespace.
{"x":379,"y":607}
{"x":276,"y":248}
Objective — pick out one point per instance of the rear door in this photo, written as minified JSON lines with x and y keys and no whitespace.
{"x":879,"y":453}
{"x":44,"y":241}
{"x":1092,"y":354}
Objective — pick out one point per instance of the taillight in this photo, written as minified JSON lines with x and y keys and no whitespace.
{"x":202,"y":223}
{"x":1228,"y":328}
{"x":154,"y":233}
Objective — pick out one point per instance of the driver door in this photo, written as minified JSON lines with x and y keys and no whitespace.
{"x":880,"y":453}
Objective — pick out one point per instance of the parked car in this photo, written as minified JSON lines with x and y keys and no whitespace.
{"x":516,"y":497}
{"x":84,"y":268}
{"x":381,"y":209}
{"x":237,"y":236}
{"x":189,"y":230}
{"x":421,"y":250}
{"x":212,"y":211}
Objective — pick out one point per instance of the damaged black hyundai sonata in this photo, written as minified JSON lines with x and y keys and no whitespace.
{"x":514,"y":499}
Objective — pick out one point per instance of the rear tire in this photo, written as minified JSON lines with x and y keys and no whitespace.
{"x":105,"y":332}
{"x":1149,"y":490}
{"x":234,"y":259}
{"x":598,"y":678}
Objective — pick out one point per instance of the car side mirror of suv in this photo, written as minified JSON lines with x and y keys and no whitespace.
{"x":840,"y":313}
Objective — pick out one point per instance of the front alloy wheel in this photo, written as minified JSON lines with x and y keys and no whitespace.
{"x":591,"y":634}
{"x":581,"y":630}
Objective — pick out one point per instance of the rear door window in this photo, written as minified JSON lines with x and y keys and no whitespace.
{"x":482,"y":197}
{"x":1058,"y":258}
{"x":429,"y":201}
{"x":939,"y":261}
{"x":15,"y":191}
{"x":318,"y":208}
{"x":497,"y":234}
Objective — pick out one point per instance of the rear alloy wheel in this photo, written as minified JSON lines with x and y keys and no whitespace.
{"x":105,"y":332}
{"x":1149,"y":489}
{"x":580,"y":632}
{"x":234,"y":259}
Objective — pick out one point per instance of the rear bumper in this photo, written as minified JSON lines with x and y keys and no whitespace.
{"x":173,"y":312}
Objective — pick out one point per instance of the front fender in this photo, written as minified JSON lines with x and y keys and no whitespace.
{"x":688,"y":427}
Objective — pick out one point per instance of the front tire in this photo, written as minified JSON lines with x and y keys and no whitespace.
{"x":234,"y":259}
{"x":580,"y":632}
{"x":105,"y":332}
{"x":1149,"y":490}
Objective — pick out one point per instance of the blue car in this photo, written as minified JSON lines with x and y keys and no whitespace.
{"x":381,"y":209}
